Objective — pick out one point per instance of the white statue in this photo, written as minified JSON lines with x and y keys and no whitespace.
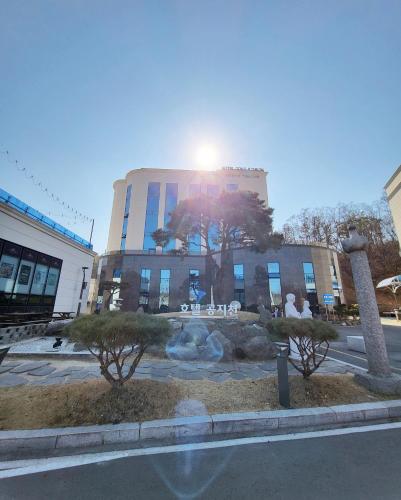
{"x":291,"y":312}
{"x":290,"y":309}
{"x":306,"y":312}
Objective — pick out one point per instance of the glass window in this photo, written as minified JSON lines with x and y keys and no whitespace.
{"x":39,"y":279}
{"x":309,"y":276}
{"x":231,"y":188}
{"x":9,"y":266}
{"x":194,"y":284}
{"x":52,"y":281}
{"x":171,"y":203}
{"x":239,"y":284}
{"x":164,"y":288}
{"x":117,"y":273}
{"x":25,"y":275}
{"x":195,"y":240}
{"x":152,"y":214}
{"x":127,"y":200}
{"x":273,"y":273}
{"x":144,"y":287}
{"x":8,"y":272}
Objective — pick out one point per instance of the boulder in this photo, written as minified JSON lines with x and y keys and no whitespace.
{"x":259,"y":348}
{"x":221,"y":342}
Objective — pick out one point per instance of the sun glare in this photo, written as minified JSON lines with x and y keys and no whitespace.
{"x":206,"y":157}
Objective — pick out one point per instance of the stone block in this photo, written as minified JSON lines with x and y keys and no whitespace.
{"x":305,"y":417}
{"x":74,"y":440}
{"x":121,"y":433}
{"x":348,"y":413}
{"x":176,"y":428}
{"x":394,"y":408}
{"x":10,"y":380}
{"x":28,"y":367}
{"x":356,"y":343}
{"x":244,"y":422}
{"x":40,"y":372}
{"x":34,"y":443}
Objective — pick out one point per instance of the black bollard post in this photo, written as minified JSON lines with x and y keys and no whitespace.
{"x":282,"y":375}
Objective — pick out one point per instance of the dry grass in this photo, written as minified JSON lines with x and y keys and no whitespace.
{"x":29,"y":407}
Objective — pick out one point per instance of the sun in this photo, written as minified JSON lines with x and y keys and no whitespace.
{"x":206,"y":157}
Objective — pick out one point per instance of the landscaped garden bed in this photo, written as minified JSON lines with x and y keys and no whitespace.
{"x":84,"y":403}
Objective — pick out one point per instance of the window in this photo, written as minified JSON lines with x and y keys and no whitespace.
{"x":170,"y":204}
{"x":273,"y":274}
{"x":195,"y":240}
{"x":126,"y":214}
{"x":9,"y":266}
{"x":239,"y":284}
{"x":231,"y":188}
{"x":194,"y":284}
{"x":164,"y":289}
{"x":144,"y":287}
{"x":310,"y":284}
{"x":213,"y":191}
{"x":27,"y":278}
{"x":152,"y":215}
{"x":309,"y":276}
{"x":334,"y":280}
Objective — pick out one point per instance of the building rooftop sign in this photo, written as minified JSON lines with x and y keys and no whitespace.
{"x":20,"y":206}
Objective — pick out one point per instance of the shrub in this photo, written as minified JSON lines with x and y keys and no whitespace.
{"x":311,"y":338}
{"x":118,"y":338}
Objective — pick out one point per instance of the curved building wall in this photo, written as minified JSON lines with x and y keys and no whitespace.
{"x":305,"y":270}
{"x":148,"y":206}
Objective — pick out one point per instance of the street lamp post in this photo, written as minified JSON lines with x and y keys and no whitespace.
{"x":83,"y":286}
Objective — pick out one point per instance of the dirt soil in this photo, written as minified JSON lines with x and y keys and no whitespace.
{"x":93,"y":402}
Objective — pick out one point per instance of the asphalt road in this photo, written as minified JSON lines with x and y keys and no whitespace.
{"x":365,"y":465}
{"x":339,"y":350}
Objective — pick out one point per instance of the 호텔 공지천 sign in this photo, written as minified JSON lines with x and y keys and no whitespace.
{"x":224,"y":310}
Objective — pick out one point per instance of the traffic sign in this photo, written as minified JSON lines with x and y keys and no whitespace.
{"x":328,"y":298}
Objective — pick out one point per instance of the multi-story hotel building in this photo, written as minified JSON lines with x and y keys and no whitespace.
{"x":144,"y":199}
{"x":393,"y":191}
{"x":158,"y":280}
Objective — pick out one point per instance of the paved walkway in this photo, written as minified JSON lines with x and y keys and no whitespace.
{"x":15,"y":372}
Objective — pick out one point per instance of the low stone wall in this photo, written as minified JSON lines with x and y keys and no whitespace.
{"x":11,"y":334}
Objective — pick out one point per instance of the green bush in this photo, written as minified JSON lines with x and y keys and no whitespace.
{"x":118,"y":338}
{"x":309,"y":335}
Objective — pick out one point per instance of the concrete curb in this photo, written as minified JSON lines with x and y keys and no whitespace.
{"x":200,"y":426}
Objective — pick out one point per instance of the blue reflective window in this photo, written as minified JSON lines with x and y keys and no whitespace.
{"x":194,"y":284}
{"x":273,"y":273}
{"x":164,"y":297}
{"x":213,"y":191}
{"x":128,"y":199}
{"x":194,"y":241}
{"x":122,"y":244}
{"x":152,"y":212}
{"x":116,"y":273}
{"x":309,"y":276}
{"x":231,"y":188}
{"x":239,"y":283}
{"x":171,"y":203}
{"x":144,"y":287}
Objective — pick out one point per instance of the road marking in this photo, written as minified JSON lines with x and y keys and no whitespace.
{"x":346,"y":363}
{"x":35,"y":466}
{"x":356,"y":357}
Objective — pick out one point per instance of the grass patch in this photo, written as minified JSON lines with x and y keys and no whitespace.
{"x":85,"y":403}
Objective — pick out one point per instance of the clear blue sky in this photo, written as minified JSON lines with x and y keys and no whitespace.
{"x":308,"y":90}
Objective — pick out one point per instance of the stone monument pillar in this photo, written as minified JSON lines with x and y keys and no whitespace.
{"x":379,"y":376}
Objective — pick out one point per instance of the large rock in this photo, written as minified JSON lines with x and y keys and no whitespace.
{"x":227,"y":346}
{"x":259,"y":348}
